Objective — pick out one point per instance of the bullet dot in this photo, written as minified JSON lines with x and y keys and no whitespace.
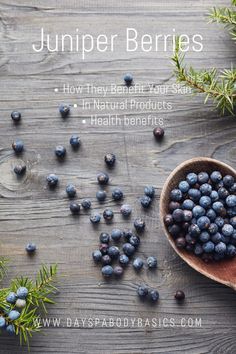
{"x":56,"y":89}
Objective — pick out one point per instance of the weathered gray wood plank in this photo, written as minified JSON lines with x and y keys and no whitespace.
{"x":28,"y":211}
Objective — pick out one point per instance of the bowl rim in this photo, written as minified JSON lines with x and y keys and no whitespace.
{"x":182,"y":253}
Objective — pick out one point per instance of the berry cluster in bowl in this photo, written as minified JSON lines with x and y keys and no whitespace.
{"x":202,"y":215}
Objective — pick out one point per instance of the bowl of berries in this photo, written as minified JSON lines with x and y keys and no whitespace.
{"x":198,"y":213}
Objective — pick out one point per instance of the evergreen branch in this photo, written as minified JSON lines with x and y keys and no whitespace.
{"x":219,"y":87}
{"x":38,"y":297}
{"x":226,"y":16}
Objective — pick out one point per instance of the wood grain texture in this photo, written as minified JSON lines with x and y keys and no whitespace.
{"x":28,"y":211}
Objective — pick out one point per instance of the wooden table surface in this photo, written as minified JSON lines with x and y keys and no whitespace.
{"x":29,"y":212}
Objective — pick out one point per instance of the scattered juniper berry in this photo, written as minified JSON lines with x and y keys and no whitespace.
{"x":116,"y":234}
{"x":18,"y":146}
{"x":104,"y":237}
{"x":139,"y":224}
{"x":95,"y":218}
{"x":107,"y":271}
{"x":153,"y":295}
{"x":118,"y":271}
{"x":126,"y":210}
{"x":64,"y":110}
{"x":110,"y":159}
{"x":142,"y":291}
{"x":60,"y":151}
{"x":97,"y":256}
{"x":145,"y":201}
{"x":74,"y":208}
{"x":102,"y":178}
{"x":158,"y":133}
{"x":86,"y":204}
{"x":128,"y":249}
{"x":71,"y":190}
{"x":101,"y":195}
{"x":124,"y":259}
{"x":117,"y":194}
{"x":138,"y":263}
{"x":108,"y":214}
{"x":152,"y":262}
{"x":16,"y":116}
{"x":30,"y":248}
{"x":75,"y":141}
{"x":20,"y":169}
{"x":128,"y":79}
{"x":179,"y":295}
{"x":149,"y":191}
{"x":52,"y":180}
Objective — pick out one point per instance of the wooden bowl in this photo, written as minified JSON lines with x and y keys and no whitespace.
{"x":224,"y":271}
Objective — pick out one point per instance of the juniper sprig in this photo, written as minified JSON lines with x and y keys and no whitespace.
{"x":39,"y":295}
{"x":226,"y":16}
{"x":220,"y":87}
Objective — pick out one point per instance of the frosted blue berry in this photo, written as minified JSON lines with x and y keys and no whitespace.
{"x":16,"y":116}
{"x":110,"y":159}
{"x":18,"y":146}
{"x":97,"y":255}
{"x":142,"y":291}
{"x":95,"y":218}
{"x":203,"y":223}
{"x":86,"y":204}
{"x":64,"y":110}
{"x":123,"y":259}
{"x":75,"y":141}
{"x":191,"y":178}
{"x":216,"y":177}
{"x":71,"y":190}
{"x":13,"y":315}
{"x":22,"y":292}
{"x":138,"y":263}
{"x":220,"y":248}
{"x":176,"y":195}
{"x":11,"y":297}
{"x":52,"y":180}
{"x":128,"y":249}
{"x":139,"y":224}
{"x":202,"y":177}
{"x":128,"y":79}
{"x":126,"y":210}
{"x":153,"y":295}
{"x":102,"y":178}
{"x":227,"y":230}
{"x":231,"y":201}
{"x":116,"y":234}
{"x":75,"y":208}
{"x":228,"y":181}
{"x":101,"y":195}
{"x":152,"y":262}
{"x":208,"y":247}
{"x":60,"y":151}
{"x":10,"y":329}
{"x":2,"y":322}
{"x":149,"y":191}
{"x":145,"y":201}
{"x":108,"y":214}
{"x":107,"y":271}
{"x":184,"y":186}
{"x":30,"y":248}
{"x":117,"y":194}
